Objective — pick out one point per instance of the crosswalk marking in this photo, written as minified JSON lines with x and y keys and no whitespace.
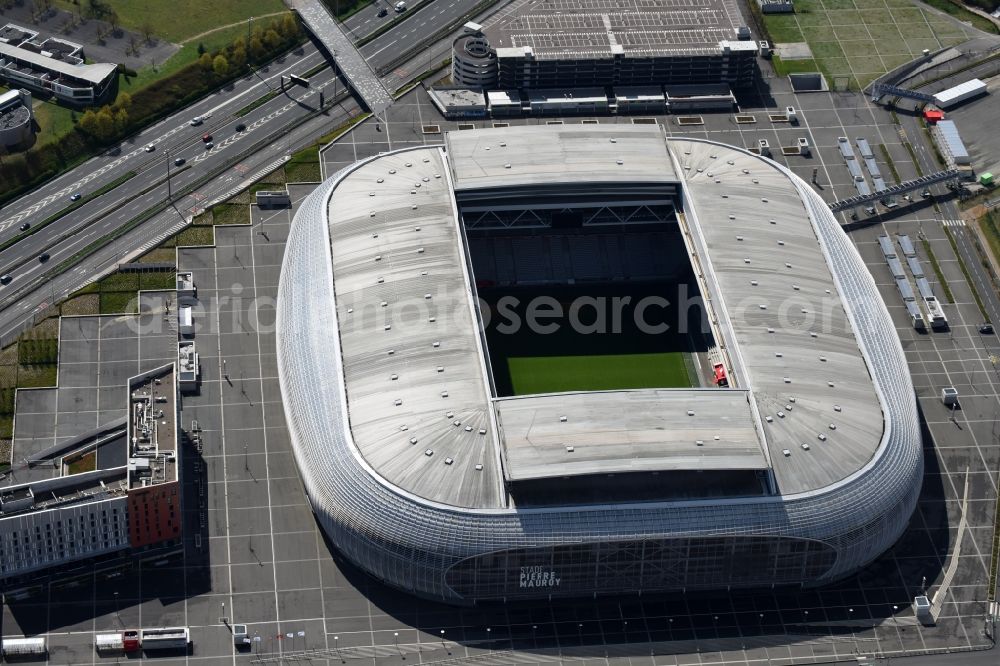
{"x":953,"y":223}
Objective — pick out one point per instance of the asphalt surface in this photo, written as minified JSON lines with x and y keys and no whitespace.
{"x":413,"y":31}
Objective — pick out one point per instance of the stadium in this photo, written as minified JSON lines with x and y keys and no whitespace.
{"x":578,"y":360}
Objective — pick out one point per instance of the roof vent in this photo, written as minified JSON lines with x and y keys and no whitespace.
{"x":479,"y":468}
{"x":428,"y":452}
{"x":378,"y":257}
{"x":420,"y":250}
{"x":423,"y":273}
{"x":725,"y":196}
{"x":432,"y":319}
{"x":350,"y":310}
{"x":388,"y":327}
{"x":778,"y":354}
{"x":380,"y":180}
{"x":791,"y":398}
{"x":408,"y":164}
{"x":805,"y":447}
{"x":619,"y":162}
{"x":753,"y":283}
{"x":763,"y":199}
{"x":404,"y":428}
{"x":762,"y":306}
{"x":821,"y":437}
{"x":392,"y":171}
{"x":795,"y":287}
{"x":457,"y":424}
{"x":768,"y":419}
{"x":773,"y":221}
{"x":788,"y":408}
{"x":393,"y":377}
{"x":435,"y":344}
{"x":739,"y":238}
{"x":391,"y":352}
{"x":416,"y":228}
{"x":787,"y":265}
{"x":781,"y":242}
{"x":427,"y":297}
{"x":448,"y":461}
{"x":770,"y":330}
{"x":781,"y":415}
{"x":812,"y":334}
{"x":426,"y":179}
{"x":830,"y":384}
{"x":413,"y":191}
{"x":440,"y":368}
{"x":437,"y":175}
{"x":397,"y":402}
{"x":836,"y":408}
{"x":413,"y":440}
{"x":413,"y":207}
{"x":450,"y":414}
{"x":562,"y":419}
{"x":746,"y":260}
{"x":371,"y":194}
{"x":823,"y":359}
{"x":788,"y":380}
{"x":384,"y":303}
{"x":690,"y":412}
{"x":699,"y":442}
{"x":506,"y":166}
{"x":570,"y":449}
{"x":444,"y":394}
{"x":786,"y":452}
{"x":716,"y":438}
{"x":374,"y":235}
{"x":371,"y":214}
{"x":732,"y":217}
{"x":468,"y":428}
{"x":482,"y":431}
{"x":833,"y":426}
{"x":380,"y":280}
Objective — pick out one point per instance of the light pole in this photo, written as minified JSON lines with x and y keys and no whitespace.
{"x":442,"y":639}
{"x":116,"y":608}
{"x":169,"y":193}
{"x":246,"y":460}
{"x":395,"y":640}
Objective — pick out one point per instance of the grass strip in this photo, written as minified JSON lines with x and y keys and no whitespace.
{"x":937,"y":270}
{"x":260,"y":101}
{"x":968,"y":276}
{"x":104,"y":189}
{"x":890,"y":163}
{"x":315,"y":70}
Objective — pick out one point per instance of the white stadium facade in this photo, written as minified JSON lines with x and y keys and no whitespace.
{"x":800,"y":472}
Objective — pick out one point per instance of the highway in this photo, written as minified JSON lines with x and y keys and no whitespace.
{"x":173,"y":133}
{"x":412,"y":32}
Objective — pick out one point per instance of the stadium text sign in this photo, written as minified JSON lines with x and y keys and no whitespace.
{"x":538,"y":577}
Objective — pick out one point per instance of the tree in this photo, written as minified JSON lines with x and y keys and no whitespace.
{"x":205,"y":61}
{"x":201,"y":49}
{"x":257,"y":48}
{"x":238,"y":57}
{"x":105,"y":124}
{"x":124,"y":101}
{"x":88,"y":122}
{"x":112,"y":18}
{"x":220,"y":65}
{"x":121,"y":120}
{"x":240,"y":43}
{"x":272,"y":39}
{"x":289,"y":26}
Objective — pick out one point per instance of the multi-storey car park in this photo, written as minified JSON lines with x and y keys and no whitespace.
{"x":431,"y":477}
{"x":586,"y":43}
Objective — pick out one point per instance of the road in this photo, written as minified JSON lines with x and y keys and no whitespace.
{"x":172,"y":133}
{"x":412,"y":32}
{"x":62,"y":239}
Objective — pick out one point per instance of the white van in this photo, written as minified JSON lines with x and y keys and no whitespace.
{"x":400,"y":7}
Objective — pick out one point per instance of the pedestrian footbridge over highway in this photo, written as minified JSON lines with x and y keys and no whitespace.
{"x":353,"y":65}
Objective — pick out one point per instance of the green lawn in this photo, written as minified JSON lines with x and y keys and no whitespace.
{"x":553,"y":374}
{"x":177,"y":20}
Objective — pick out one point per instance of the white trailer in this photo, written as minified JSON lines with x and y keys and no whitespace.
{"x":105,"y":643}
{"x":24,"y":648}
{"x":963,"y":91}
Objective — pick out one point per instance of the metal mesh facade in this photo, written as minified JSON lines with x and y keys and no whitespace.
{"x":462,"y":555}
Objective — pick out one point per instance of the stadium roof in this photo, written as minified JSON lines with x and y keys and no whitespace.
{"x":552,"y":155}
{"x":570,"y":434}
{"x":798,"y":353}
{"x":418,"y":398}
{"x":599,"y":29}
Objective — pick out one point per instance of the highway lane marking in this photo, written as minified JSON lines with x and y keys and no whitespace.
{"x":382,"y":49}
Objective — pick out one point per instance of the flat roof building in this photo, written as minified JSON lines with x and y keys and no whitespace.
{"x":584,"y":43}
{"x":53,"y":66}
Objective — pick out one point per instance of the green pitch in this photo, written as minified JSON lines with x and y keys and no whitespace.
{"x":555,"y":374}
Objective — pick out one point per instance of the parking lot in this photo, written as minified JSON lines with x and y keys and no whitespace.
{"x":253,"y":553}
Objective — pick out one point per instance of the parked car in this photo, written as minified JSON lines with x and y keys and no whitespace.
{"x":43,"y":257}
{"x":150,"y":148}
{"x":25,"y":226}
{"x":986,"y":328}
{"x":179,"y":161}
{"x":75,"y":196}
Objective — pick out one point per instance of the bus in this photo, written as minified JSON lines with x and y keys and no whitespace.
{"x":165,"y":638}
